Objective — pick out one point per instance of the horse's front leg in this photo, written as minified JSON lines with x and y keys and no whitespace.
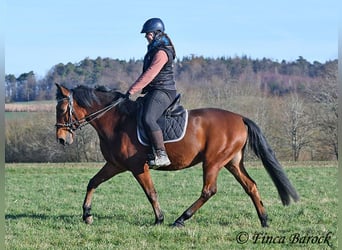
{"x":145,"y":181}
{"x":209,"y":189}
{"x":106,"y":172}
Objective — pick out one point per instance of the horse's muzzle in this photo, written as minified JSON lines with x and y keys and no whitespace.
{"x":65,"y":138}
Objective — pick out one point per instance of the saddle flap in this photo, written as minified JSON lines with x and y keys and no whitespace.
{"x":173,"y":123}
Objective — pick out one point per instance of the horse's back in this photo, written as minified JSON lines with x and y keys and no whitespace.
{"x":215,"y":117}
{"x":217,"y":124}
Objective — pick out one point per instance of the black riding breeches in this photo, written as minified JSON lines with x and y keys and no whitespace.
{"x":155,"y":103}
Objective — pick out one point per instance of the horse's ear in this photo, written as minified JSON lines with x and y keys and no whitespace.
{"x":61,"y":90}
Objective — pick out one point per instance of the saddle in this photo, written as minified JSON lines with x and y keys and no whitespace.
{"x":173,"y":123}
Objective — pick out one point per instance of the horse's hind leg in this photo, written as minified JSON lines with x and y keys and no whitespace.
{"x":105,"y":173}
{"x":236,"y":167}
{"x":209,"y":189}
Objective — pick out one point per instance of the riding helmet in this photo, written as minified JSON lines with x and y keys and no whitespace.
{"x":153,"y":24}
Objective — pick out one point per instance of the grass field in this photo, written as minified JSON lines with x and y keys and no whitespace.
{"x":44,"y":209}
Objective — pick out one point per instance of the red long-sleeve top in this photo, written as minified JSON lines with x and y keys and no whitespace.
{"x":158,"y":62}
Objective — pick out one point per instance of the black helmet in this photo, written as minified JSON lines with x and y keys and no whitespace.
{"x":153,"y":24}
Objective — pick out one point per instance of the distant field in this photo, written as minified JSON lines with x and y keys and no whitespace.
{"x":37,"y":106}
{"x":43,"y":210}
{"x":29,"y":110}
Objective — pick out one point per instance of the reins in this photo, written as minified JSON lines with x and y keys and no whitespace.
{"x":80,"y":123}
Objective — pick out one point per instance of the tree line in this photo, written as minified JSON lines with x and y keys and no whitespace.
{"x":295,"y":103}
{"x":277,"y":78}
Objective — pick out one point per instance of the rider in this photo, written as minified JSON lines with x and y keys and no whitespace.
{"x":158,"y":84}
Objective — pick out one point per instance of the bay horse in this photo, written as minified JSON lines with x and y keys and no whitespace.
{"x":215,"y":137}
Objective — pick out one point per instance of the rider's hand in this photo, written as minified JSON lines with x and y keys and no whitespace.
{"x":127,"y":95}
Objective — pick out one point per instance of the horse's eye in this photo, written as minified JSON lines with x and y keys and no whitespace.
{"x":61,"y":109}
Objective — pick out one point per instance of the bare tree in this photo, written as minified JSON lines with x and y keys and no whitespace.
{"x":324,"y":95}
{"x":297,"y":124}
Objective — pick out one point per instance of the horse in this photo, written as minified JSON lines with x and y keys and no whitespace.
{"x":216,"y":138}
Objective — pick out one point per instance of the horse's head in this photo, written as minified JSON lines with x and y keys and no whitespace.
{"x":67,"y":113}
{"x":80,"y":106}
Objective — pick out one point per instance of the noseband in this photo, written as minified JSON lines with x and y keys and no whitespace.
{"x":73,"y":125}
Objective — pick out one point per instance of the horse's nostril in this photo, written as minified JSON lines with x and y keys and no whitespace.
{"x":61,"y":141}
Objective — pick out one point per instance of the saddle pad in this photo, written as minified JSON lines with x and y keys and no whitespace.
{"x":173,"y":127}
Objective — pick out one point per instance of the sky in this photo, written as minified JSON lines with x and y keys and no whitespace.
{"x":42,"y":33}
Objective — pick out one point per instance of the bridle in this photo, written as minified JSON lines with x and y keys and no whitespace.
{"x":73,"y":125}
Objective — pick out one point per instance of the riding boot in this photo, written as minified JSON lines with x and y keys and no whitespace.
{"x":159,"y":157}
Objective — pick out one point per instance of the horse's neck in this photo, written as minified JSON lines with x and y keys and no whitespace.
{"x":113,"y":121}
{"x":108,"y":125}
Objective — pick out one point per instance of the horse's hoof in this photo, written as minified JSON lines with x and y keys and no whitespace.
{"x":178,"y":224}
{"x":264,"y":220}
{"x":158,"y":222}
{"x":264,"y":225}
{"x":89,"y":220}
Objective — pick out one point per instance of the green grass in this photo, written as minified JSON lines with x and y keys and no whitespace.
{"x":44,"y":209}
{"x":17,"y":115}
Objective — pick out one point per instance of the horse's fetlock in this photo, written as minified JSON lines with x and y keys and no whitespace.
{"x":86,"y":208}
{"x":187,"y":215}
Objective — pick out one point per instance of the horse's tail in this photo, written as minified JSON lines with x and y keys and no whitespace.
{"x":263,"y":151}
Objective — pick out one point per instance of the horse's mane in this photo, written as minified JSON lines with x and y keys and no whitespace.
{"x":87,"y":96}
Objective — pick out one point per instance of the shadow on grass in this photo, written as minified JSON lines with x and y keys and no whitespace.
{"x":39,"y":217}
{"x":20,"y":216}
{"x":78,"y":218}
